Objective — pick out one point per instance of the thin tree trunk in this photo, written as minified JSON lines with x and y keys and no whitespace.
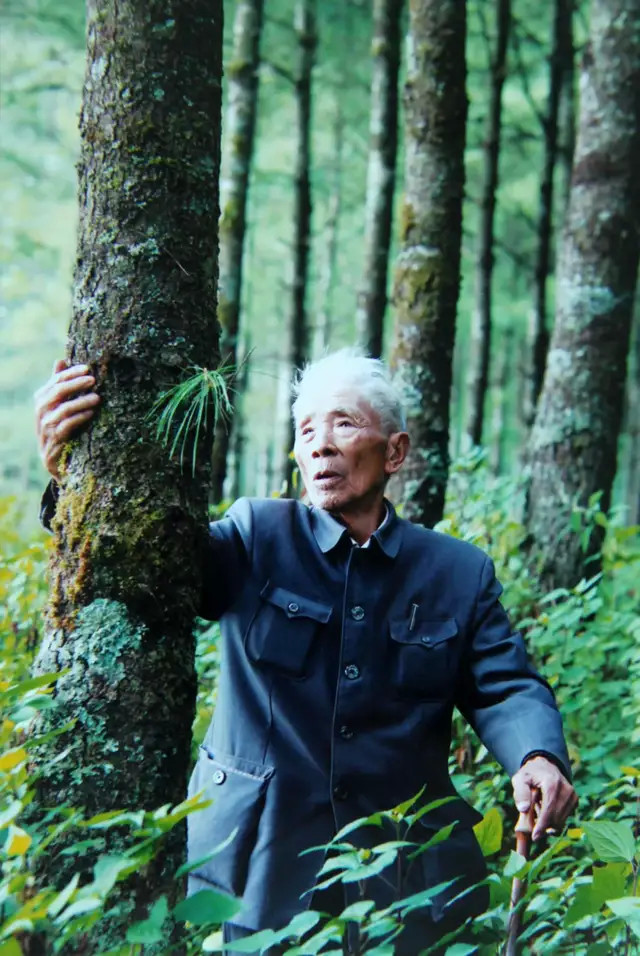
{"x":500,"y":403}
{"x":327,"y":282}
{"x":298,"y":321}
{"x":238,"y":142}
{"x":574,"y":439}
{"x":561,"y":57}
{"x":482,"y":319}
{"x":631,"y":461}
{"x":567,"y":118}
{"x":427,"y":273}
{"x":381,"y":175}
{"x":125,"y":573}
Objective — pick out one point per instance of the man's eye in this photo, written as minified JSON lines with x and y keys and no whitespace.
{"x":345,"y":422}
{"x":307,"y":431}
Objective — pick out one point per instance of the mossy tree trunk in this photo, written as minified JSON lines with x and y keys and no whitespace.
{"x":481,"y":325}
{"x":129,"y":523}
{"x":305,"y":30}
{"x":238,"y":142}
{"x":427,"y":271}
{"x":572,"y":449}
{"x":381,"y":173}
{"x":560,"y":62}
{"x":327,"y":280}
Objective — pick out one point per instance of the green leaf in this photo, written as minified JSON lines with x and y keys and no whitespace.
{"x":584,"y":904}
{"x":489,"y":832}
{"x":358,"y":911}
{"x":206,"y":906}
{"x":611,"y":842}
{"x":628,"y":909}
{"x":195,"y":864}
{"x":610,"y":881}
{"x":461,"y":949}
{"x":516,"y":865}
{"x":79,"y":908}
{"x":150,"y":930}
{"x":255,"y":943}
{"x":10,"y":947}
{"x":63,"y":896}
{"x":9,"y":814}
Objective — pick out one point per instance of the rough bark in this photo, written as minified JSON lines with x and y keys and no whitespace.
{"x":559,"y":66}
{"x":479,"y":358}
{"x":567,"y":119}
{"x":574,"y":440}
{"x":305,"y":28}
{"x":238,"y":141}
{"x":631,"y":459}
{"x":124,"y":573}
{"x":381,"y":173}
{"x":500,"y":402}
{"x":427,"y":271}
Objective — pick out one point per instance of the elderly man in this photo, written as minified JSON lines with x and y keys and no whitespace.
{"x":348,"y":637}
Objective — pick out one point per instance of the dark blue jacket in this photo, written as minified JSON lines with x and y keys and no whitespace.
{"x":341,"y":667}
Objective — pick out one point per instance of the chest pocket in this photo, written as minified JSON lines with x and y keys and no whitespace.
{"x":283,"y":630}
{"x":424,"y":657}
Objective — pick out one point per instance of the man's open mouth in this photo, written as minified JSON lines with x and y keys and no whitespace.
{"x":326,"y":476}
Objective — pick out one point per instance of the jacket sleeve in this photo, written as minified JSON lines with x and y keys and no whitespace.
{"x":48,"y":504}
{"x":226,"y":560}
{"x":509,"y":705}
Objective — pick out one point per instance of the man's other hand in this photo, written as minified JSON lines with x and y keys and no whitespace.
{"x":541,"y":783}
{"x":62,"y":405}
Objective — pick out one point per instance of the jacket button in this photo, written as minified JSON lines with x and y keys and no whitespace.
{"x":352,"y":672}
{"x":219,"y":777}
{"x":340,"y":792}
{"x":345,"y":732}
{"x":293,"y":608}
{"x":357,"y":612}
{"x":426,"y":641}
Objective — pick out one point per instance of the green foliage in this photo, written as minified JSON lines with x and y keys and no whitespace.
{"x":190,"y":409}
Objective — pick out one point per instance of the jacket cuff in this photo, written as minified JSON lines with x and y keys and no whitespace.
{"x":564,"y":770}
{"x":48,"y":504}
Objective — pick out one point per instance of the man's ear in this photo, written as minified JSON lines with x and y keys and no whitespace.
{"x":397,"y":450}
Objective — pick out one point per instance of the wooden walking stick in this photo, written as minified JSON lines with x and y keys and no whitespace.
{"x":523,"y":829}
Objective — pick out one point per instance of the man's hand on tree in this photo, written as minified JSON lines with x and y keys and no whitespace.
{"x":541,"y":783}
{"x":62,"y":405}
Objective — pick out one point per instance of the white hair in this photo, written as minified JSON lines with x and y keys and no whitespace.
{"x":349,"y":368}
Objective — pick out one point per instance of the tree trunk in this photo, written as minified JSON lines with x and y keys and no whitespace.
{"x":238,"y":146}
{"x":631,"y":461}
{"x":327,"y":281}
{"x":567,"y":119}
{"x":561,"y":57}
{"x":381,"y":175}
{"x":499,"y":404}
{"x":574,"y":439}
{"x":125,"y":575}
{"x":298,"y":324}
{"x":427,"y":273}
{"x":482,"y":320}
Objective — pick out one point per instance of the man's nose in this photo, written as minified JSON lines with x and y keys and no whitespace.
{"x":323,"y":444}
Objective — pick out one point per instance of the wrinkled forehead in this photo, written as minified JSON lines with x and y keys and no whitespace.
{"x":317,"y":401}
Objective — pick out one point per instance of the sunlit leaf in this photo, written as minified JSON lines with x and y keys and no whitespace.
{"x":612,"y":841}
{"x":18,"y":841}
{"x":206,"y":906}
{"x":489,"y":832}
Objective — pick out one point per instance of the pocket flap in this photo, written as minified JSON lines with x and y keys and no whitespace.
{"x":425,"y":633}
{"x":296,"y":605}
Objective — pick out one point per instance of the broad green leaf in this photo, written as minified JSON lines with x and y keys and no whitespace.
{"x":150,"y":930}
{"x":516,"y":865}
{"x":612,"y":842}
{"x":106,"y":872}
{"x":419,"y":900}
{"x":10,"y":947}
{"x":213,"y":942}
{"x":63,"y":896}
{"x":461,"y":949}
{"x":254,"y":943}
{"x":194,"y":864}
{"x":206,"y":906}
{"x":79,"y":908}
{"x":12,"y":758}
{"x":18,"y":841}
{"x":357,"y":911}
{"x":489,"y":832}
{"x":610,"y":881}
{"x":10,"y":813}
{"x":628,"y":909}
{"x":584,"y":903}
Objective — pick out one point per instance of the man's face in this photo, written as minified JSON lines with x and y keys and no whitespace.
{"x":342,"y":452}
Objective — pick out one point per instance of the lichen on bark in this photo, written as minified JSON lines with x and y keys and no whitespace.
{"x":427,"y":272}
{"x":125,"y":570}
{"x":573,"y":445}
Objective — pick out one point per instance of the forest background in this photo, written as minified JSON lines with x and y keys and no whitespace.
{"x":584,"y":635}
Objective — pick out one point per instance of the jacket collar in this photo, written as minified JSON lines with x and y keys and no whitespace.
{"x":328,"y":531}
